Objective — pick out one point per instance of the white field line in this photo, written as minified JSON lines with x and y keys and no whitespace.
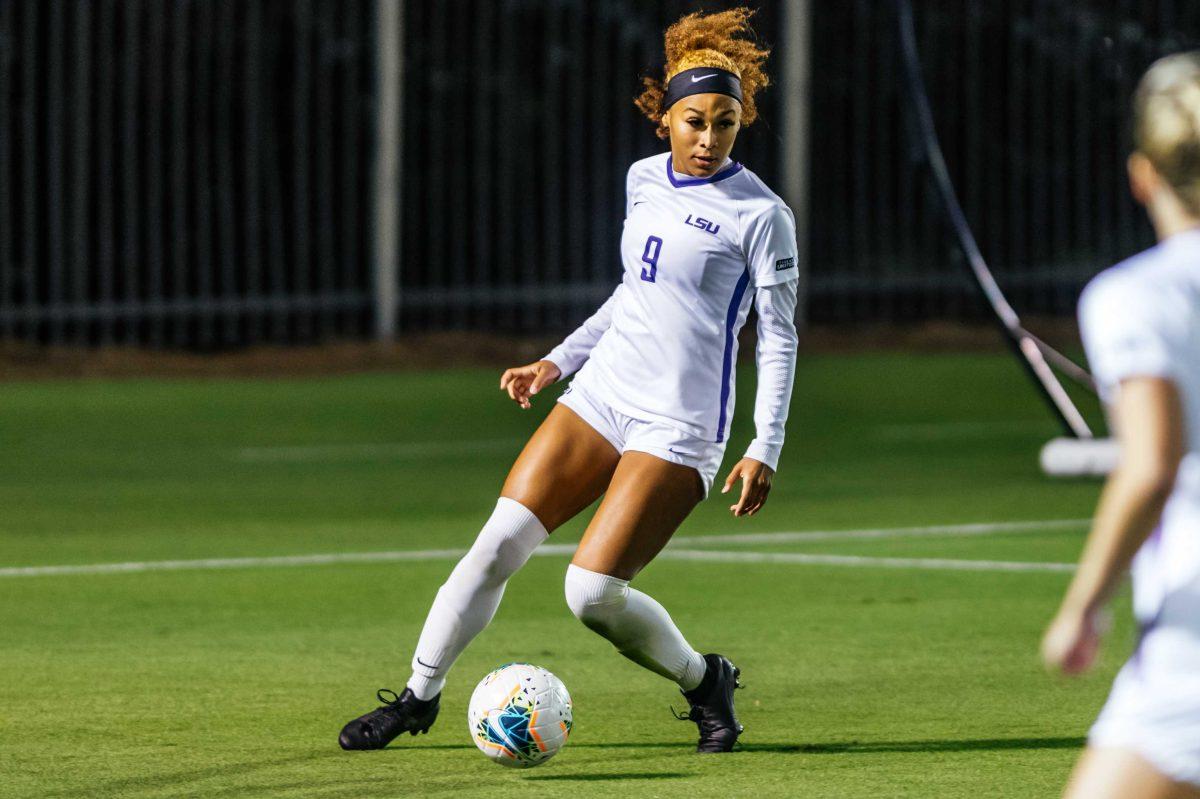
{"x":944,"y":564}
{"x":672,"y":552}
{"x":230,"y":563}
{"x":933,"y":531}
{"x":398,"y":449}
{"x":936,"y":431}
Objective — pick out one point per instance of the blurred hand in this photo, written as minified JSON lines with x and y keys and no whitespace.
{"x":522,"y":382}
{"x":1072,"y":641}
{"x":756,"y":484}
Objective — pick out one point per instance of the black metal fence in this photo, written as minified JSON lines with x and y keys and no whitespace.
{"x":1031,"y":100}
{"x":199,"y":172}
{"x":184,"y":173}
{"x":522,"y":127}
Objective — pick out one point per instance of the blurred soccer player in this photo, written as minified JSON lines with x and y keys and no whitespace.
{"x":1141,"y":326}
{"x":646,"y":419}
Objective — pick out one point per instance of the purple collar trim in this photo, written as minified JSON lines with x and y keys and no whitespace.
{"x":679,"y":183}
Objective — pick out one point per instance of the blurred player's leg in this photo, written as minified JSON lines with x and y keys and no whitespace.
{"x":563,"y":469}
{"x":1123,"y":774}
{"x":645,"y":503}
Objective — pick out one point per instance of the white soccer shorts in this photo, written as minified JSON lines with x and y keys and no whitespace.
{"x":1154,"y":706}
{"x":656,"y":438}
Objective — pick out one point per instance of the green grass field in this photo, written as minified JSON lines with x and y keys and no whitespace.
{"x":863,"y":679}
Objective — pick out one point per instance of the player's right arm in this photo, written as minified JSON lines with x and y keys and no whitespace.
{"x":522,"y":382}
{"x":575,"y":348}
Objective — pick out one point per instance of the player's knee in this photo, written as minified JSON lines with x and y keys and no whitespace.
{"x":493,"y":560}
{"x":505,"y":542}
{"x":594,"y":598}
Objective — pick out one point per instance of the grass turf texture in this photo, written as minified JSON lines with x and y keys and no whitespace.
{"x":861,"y":681}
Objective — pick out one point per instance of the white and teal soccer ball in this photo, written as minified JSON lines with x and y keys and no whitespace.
{"x":520,"y":715}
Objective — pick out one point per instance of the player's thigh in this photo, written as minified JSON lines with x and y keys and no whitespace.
{"x":1122,"y":774}
{"x":646,"y":502}
{"x":564,"y":467}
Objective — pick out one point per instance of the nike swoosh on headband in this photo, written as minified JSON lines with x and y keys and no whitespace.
{"x":702,"y":80}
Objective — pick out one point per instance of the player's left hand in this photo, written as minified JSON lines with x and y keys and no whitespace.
{"x":1072,"y":640}
{"x":756,"y":484}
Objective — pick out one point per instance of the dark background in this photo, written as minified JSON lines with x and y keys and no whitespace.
{"x":199,"y":173}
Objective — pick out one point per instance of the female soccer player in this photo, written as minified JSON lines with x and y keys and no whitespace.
{"x":646,"y":419}
{"x":1141,"y":327}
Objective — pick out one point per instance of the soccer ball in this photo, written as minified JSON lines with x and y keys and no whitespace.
{"x":520,"y":715}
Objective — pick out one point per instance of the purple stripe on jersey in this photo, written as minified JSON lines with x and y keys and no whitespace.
{"x":735,"y":303}
{"x":679,"y":183}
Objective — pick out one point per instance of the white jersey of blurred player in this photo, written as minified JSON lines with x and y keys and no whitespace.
{"x":691,"y":249}
{"x":1142,"y":319}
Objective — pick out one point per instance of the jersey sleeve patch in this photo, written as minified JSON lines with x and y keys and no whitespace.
{"x":770,"y":246}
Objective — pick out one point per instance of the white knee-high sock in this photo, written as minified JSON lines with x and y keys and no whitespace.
{"x":640,"y":628}
{"x":467,"y":601}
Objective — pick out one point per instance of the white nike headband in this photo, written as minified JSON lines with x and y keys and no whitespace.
{"x":702,"y":80}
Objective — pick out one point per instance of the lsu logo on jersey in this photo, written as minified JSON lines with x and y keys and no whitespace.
{"x":703,"y":224}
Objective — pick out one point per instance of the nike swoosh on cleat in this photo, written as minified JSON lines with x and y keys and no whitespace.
{"x":426,"y":665}
{"x":698,"y":78}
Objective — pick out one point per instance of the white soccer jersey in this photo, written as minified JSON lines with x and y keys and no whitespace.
{"x":1142,"y":319}
{"x":693,"y":251}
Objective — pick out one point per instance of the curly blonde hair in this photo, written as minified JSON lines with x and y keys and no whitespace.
{"x":709,"y":40}
{"x":1166,"y":123}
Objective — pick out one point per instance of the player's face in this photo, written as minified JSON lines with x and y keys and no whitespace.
{"x":703,"y":128}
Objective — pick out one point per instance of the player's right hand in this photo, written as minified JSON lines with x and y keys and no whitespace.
{"x":522,"y":382}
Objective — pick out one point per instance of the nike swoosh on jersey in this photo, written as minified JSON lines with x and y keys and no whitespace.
{"x":698,"y":78}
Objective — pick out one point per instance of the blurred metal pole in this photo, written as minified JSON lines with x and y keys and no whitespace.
{"x":797,"y":18}
{"x":8,"y":127}
{"x":389,"y":19}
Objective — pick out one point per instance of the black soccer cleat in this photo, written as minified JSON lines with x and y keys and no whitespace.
{"x":403,"y":713}
{"x":712,"y":706}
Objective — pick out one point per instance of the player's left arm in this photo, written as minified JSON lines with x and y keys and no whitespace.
{"x":1148,"y":417}
{"x":1134,"y":340}
{"x":771,"y":255}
